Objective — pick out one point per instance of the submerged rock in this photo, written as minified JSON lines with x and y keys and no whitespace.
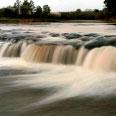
{"x":90,"y":41}
{"x":40,"y":36}
{"x":100,"y":41}
{"x":76,"y":43}
{"x":54,"y":34}
{"x":45,"y":32}
{"x":71,"y":35}
{"x":86,"y":39}
{"x":92,"y":35}
{"x":112,"y":41}
{"x":16,"y":36}
{"x":9,"y":37}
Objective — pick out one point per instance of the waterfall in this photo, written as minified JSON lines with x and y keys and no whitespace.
{"x":12,"y":49}
{"x":39,"y":53}
{"x":50,"y":54}
{"x":3,"y":49}
{"x":64,"y":55}
{"x":81,"y":55}
{"x":102,"y":58}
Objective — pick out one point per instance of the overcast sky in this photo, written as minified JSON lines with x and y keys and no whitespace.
{"x":62,"y":5}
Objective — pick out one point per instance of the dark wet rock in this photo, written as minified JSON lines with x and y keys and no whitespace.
{"x":13,"y":41}
{"x":54,"y":34}
{"x":86,"y":39}
{"x":90,"y":41}
{"x":110,"y":36}
{"x":77,"y":43}
{"x":100,"y":41}
{"x":3,"y":37}
{"x":64,"y":34}
{"x":111,"y":41}
{"x":32,"y":38}
{"x":13,"y":36}
{"x":15,"y":32}
{"x":18,"y":36}
{"x":28,"y":32}
{"x":71,"y":35}
{"x":45,"y":32}
{"x":92,"y":35}
{"x":40,"y":36}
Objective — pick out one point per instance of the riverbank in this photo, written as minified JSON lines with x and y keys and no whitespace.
{"x":30,"y":21}
{"x":26,"y":21}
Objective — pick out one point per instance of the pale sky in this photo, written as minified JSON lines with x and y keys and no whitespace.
{"x":62,"y":5}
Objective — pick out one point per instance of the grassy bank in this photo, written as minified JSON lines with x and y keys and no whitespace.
{"x":11,"y":20}
{"x":30,"y":21}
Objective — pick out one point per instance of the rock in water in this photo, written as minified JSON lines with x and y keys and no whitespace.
{"x":71,"y":35}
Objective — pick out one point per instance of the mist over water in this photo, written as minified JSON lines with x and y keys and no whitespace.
{"x":53,"y":76}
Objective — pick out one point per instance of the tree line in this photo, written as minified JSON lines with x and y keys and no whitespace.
{"x":27,"y":9}
{"x":110,"y":7}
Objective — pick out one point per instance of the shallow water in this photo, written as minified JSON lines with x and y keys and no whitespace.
{"x":47,"y":89}
{"x":100,"y":28}
{"x":55,"y":89}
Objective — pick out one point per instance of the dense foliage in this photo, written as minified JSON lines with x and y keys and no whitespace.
{"x":27,"y":9}
{"x":87,"y":14}
{"x":111,"y":7}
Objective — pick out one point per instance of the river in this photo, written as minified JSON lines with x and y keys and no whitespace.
{"x":42,"y":73}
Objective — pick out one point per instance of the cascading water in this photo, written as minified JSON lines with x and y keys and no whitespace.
{"x":3,"y":49}
{"x":12,"y":49}
{"x":38,"y":53}
{"x":64,"y":55}
{"x":50,"y":53}
{"x":96,"y":59}
{"x":101,"y":59}
{"x":81,"y":55}
{"x":57,"y":76}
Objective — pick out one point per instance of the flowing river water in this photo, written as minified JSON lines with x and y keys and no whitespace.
{"x":58,"y":69}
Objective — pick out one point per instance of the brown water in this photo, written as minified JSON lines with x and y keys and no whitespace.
{"x":100,"y":28}
{"x":57,"y":80}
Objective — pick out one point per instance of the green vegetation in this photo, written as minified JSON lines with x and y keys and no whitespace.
{"x":110,"y":7}
{"x":28,"y":10}
{"x":88,"y":14}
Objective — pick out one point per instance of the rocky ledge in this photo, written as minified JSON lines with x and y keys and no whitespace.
{"x":77,"y":40}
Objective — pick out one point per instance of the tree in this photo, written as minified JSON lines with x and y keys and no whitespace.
{"x":38,"y":12}
{"x":8,"y":12}
{"x":46,"y":11}
{"x":26,"y":8}
{"x":17,"y":6}
{"x":96,"y":11}
{"x":111,"y":6}
{"x":78,"y":11}
{"x":32,"y":7}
